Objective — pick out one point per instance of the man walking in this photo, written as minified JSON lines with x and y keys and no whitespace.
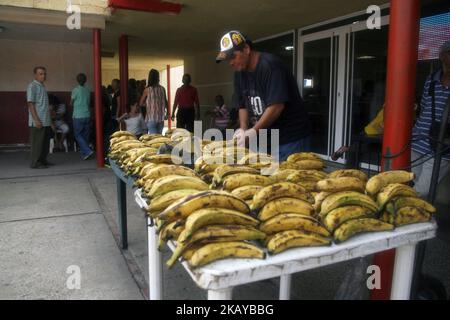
{"x":186,"y":99}
{"x":81,"y":100}
{"x":39,"y":119}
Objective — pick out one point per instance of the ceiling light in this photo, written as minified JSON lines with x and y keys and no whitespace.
{"x":289,"y":48}
{"x":366,"y":57}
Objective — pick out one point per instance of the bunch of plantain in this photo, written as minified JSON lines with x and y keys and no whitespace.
{"x":256,"y":160}
{"x":225,"y":170}
{"x":404,"y":208}
{"x":303,"y":161}
{"x":237,"y":180}
{"x":348,"y":213}
{"x":379,"y":181}
{"x":246,"y":193}
{"x":306,"y":178}
{"x":210,"y":220}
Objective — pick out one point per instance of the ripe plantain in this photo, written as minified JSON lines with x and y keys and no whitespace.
{"x":162,"y":202}
{"x":409,"y":215}
{"x":230,"y":232}
{"x":222,"y":250}
{"x":278,"y":190}
{"x":421,"y":204}
{"x":353,"y":227}
{"x":173,"y":182}
{"x":246,"y":192}
{"x":303,"y":165}
{"x":293,"y":221}
{"x":169,"y":231}
{"x":306,"y":175}
{"x":182,"y":208}
{"x":341,"y":184}
{"x":284,"y":205}
{"x":226,"y":170}
{"x":349,"y":173}
{"x":303,"y":156}
{"x":346,"y":198}
{"x":378,"y":182}
{"x":340,"y":215}
{"x":244,"y":179}
{"x":294,"y":238}
{"x":166,"y":170}
{"x":216,"y":216}
{"x":394,"y":190}
{"x":164,"y":158}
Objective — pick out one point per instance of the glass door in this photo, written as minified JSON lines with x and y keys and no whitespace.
{"x":320,"y":71}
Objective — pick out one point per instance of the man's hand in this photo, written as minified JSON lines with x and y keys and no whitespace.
{"x":173,"y":117}
{"x":38,"y":124}
{"x":243,"y":136}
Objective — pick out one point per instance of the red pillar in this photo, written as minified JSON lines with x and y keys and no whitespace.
{"x":123,"y":70}
{"x":98,"y":97}
{"x":169,"y":100}
{"x":398,"y":113}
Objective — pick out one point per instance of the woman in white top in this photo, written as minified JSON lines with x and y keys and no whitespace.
{"x":134,"y":120}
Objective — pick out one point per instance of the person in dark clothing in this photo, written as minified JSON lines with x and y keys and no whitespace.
{"x":267,"y":94}
{"x":186,"y":100}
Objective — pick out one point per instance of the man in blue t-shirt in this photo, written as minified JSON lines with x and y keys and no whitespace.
{"x":267,"y":94}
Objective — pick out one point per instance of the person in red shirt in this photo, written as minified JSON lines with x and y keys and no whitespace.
{"x":186,"y":100}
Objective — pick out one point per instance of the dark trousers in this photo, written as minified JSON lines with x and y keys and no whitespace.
{"x":40,"y":144}
{"x":185,"y":118}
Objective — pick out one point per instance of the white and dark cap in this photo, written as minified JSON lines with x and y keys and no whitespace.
{"x":231,"y":41}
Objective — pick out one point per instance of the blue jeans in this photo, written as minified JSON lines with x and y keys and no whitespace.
{"x":302,"y":145}
{"x":155,"y":127}
{"x":82,"y":131}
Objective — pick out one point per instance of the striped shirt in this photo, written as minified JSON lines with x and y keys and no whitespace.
{"x":156,"y":103}
{"x":222,"y":116}
{"x":422,"y":128}
{"x":37,"y":94}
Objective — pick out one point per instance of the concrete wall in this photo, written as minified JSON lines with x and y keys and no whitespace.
{"x":62,"y":60}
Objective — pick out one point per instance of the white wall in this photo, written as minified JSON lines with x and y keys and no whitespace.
{"x":63,"y":62}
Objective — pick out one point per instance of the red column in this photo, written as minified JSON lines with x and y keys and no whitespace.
{"x":398,"y":113}
{"x":98,"y":97}
{"x":123,"y":70}
{"x":169,"y":100}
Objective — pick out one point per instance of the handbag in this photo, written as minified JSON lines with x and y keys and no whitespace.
{"x":435,"y":127}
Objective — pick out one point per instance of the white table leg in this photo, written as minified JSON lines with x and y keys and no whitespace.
{"x":155,"y":281}
{"x":285,"y":287}
{"x":403,"y":272}
{"x":222,"y":294}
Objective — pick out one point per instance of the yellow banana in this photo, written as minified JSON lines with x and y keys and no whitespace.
{"x":169,"y":231}
{"x":318,"y":199}
{"x":378,"y":182}
{"x":293,"y":239}
{"x":226,"y":170}
{"x":254,"y":158}
{"x":217,"y":216}
{"x":341,"y":184}
{"x":182,"y":208}
{"x":164,"y":158}
{"x":306,"y":175}
{"x":283,"y":205}
{"x":346,"y":198}
{"x":231,"y":232}
{"x":166,"y":170}
{"x":353,"y":227}
{"x":349,"y":173}
{"x":394,"y":190}
{"x":340,"y":215}
{"x":246,"y":192}
{"x":160,"y":203}
{"x":215,"y":251}
{"x":244,"y":179}
{"x":303,"y":156}
{"x":293,"y":221}
{"x":387,"y":217}
{"x":303,"y":165}
{"x":421,"y":204}
{"x":121,"y":134}
{"x":278,"y":190}
{"x":281,"y":175}
{"x":174,"y":182}
{"x":409,"y":215}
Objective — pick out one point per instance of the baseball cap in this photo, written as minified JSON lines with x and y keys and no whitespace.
{"x":231,"y":41}
{"x":445,"y":47}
